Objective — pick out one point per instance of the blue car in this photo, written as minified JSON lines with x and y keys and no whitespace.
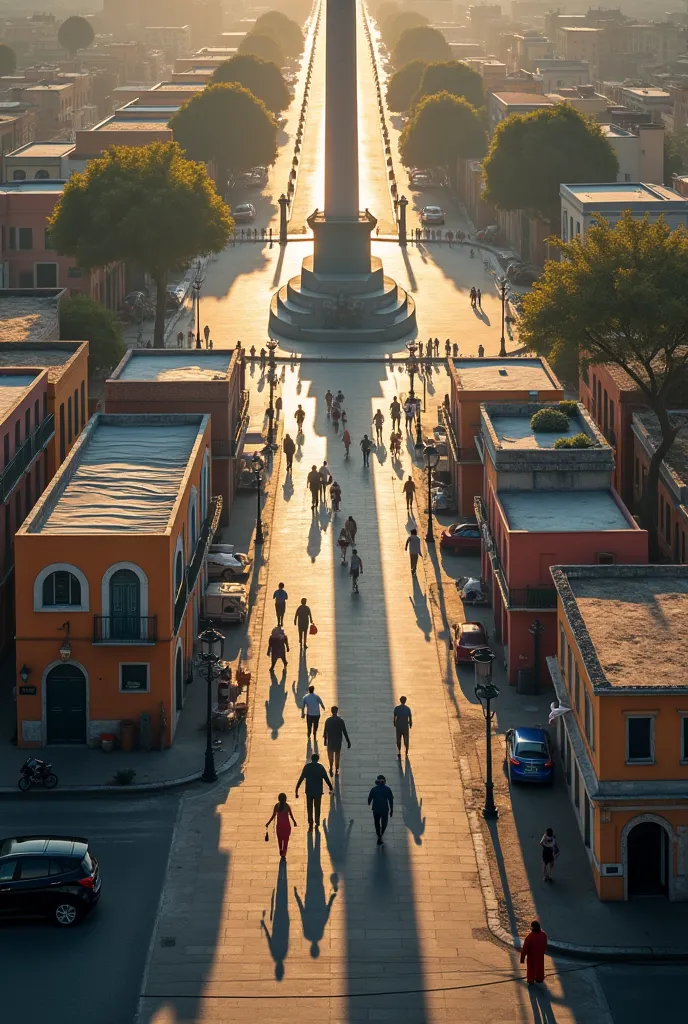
{"x":529,"y":755}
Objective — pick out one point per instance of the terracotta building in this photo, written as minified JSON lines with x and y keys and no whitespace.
{"x":672,"y":510}
{"x":624,"y":744}
{"x":109,"y":567}
{"x":611,"y":397}
{"x":189,"y":381}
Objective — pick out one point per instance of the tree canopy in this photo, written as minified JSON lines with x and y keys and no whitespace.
{"x":392,"y":28}
{"x":75,"y":34}
{"x":282,"y":30}
{"x":385,"y":10}
{"x":8,"y":60}
{"x":423,"y":43}
{"x":454,"y":77}
{"x":620,"y":296}
{"x":261,"y":77}
{"x":146,"y":205}
{"x":442,"y":129}
{"x":229,"y":125}
{"x":403,"y":85}
{"x":84,"y":319}
{"x":532,"y":154}
{"x":262,"y":46}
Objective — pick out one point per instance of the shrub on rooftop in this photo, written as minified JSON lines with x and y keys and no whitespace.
{"x":549,"y":421}
{"x":577,"y":441}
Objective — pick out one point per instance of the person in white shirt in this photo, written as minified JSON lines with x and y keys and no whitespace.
{"x":311,"y":712}
{"x":325,"y":479}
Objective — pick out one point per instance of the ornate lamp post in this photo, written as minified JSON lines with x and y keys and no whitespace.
{"x":432,"y":457}
{"x":272,"y":380}
{"x":210,"y":641}
{"x":197,"y":298}
{"x":502,"y":285}
{"x":257,"y":466}
{"x":486,"y":691}
{"x":412,"y":366}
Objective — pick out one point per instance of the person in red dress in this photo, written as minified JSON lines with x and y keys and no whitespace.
{"x":282,"y":811}
{"x":533,"y":953}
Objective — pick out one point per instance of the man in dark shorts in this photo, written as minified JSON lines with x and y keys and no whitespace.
{"x":402,"y":723}
{"x":311,"y":710}
{"x":313,"y":484}
{"x":334,"y":731}
{"x":313,"y":775}
{"x":382,"y":800}
{"x":395,"y":413}
{"x":303,"y":620}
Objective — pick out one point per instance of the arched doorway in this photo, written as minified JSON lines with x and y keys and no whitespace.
{"x":179,"y":681}
{"x":648,"y":860}
{"x":125,"y":605}
{"x":65,"y":705}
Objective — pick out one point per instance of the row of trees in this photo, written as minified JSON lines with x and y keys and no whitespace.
{"x":409,"y":36}
{"x":418,"y":79}
{"x":274,"y":38}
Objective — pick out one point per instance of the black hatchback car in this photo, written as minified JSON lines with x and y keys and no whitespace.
{"x":48,"y":876}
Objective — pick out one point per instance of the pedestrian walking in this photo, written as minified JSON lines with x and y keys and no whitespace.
{"x":420,"y":349}
{"x":328,"y":401}
{"x":533,"y":953}
{"x":336,"y":415}
{"x":355,"y":569}
{"x":280,"y":598}
{"x":339,"y":398}
{"x":334,"y":731}
{"x":481,"y":351}
{"x":381,"y":799}
{"x":378,"y":420}
{"x":479,"y":299}
{"x":299,"y":416}
{"x":437,"y":348}
{"x":550,"y":852}
{"x":289,"y":449}
{"x":278,"y":645}
{"x":409,"y":412}
{"x":283,"y":813}
{"x":366,"y":445}
{"x":335,"y":496}
{"x":403,"y":721}
{"x":313,"y":775}
{"x":351,"y":528}
{"x":325,"y":479}
{"x":278,"y":407}
{"x":263,"y":356}
{"x":303,"y":619}
{"x":473,"y":296}
{"x":346,"y":441}
{"x":310,"y":709}
{"x":395,"y":413}
{"x":413,"y":548}
{"x":206,"y":334}
{"x":343,"y":542}
{"x":409,"y":491}
{"x":180,"y":339}
{"x":313,"y":484}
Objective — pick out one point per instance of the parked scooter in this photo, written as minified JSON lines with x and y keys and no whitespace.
{"x":36,"y":773}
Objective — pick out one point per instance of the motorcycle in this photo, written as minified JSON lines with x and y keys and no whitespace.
{"x":36,"y":773}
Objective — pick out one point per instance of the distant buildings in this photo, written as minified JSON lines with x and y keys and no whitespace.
{"x":580,"y":203}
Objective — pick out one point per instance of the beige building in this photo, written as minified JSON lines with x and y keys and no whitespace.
{"x":579,"y":43}
{"x":38,"y":160}
{"x":640,"y":153}
{"x":55,"y":105}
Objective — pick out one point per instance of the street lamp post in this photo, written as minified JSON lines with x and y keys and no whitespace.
{"x":257,"y":466}
{"x":411,"y":346}
{"x":486,"y":691}
{"x":197,"y":295}
{"x":501,"y":284}
{"x":272,"y":345}
{"x":432,"y":457}
{"x":209,"y":639}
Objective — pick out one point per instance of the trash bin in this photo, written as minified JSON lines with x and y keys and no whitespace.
{"x":126,"y":735}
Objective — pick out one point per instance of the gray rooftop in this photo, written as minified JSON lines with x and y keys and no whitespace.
{"x":562,"y":511}
{"x":12,"y":387}
{"x":516,"y":432}
{"x":514,"y":446}
{"x":181,"y":365}
{"x":27,"y":314}
{"x":505,"y":375}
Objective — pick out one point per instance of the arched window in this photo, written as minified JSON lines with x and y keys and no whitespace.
{"x":41,"y":175}
{"x":19,"y":176}
{"x":61,"y":588}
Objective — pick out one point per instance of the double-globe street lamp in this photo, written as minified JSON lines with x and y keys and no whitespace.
{"x":272,"y":380}
{"x":502,"y":285}
{"x":257,"y":466}
{"x":210,"y":641}
{"x":413,"y":369}
{"x":486,"y":692}
{"x":198,"y":281}
{"x":432,"y":458}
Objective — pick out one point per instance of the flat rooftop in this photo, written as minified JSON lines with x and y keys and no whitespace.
{"x":123,"y":476}
{"x":623,"y":193}
{"x":131,"y":124}
{"x":505,"y":375}
{"x":49,"y":356}
{"x":12,"y":388}
{"x":42,"y":150}
{"x":641,"y":93}
{"x":522,"y":99}
{"x":676,"y":458}
{"x":142,"y":366}
{"x":631,"y":623}
{"x":41,"y":186}
{"x":25,"y":315}
{"x":515,"y":432}
{"x":562,"y":511}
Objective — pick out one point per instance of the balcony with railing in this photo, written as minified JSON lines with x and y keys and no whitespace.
{"x":193,"y":569}
{"x":24,"y":456}
{"x":125,"y":629}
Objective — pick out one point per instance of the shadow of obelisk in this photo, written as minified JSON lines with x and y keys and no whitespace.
{"x":342,"y":293}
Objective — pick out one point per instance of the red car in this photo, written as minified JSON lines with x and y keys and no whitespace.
{"x":461,"y":538}
{"x":468,"y":637}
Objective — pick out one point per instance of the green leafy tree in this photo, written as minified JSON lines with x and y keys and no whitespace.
{"x":262,"y":46}
{"x":403,"y":85}
{"x":675,"y":154}
{"x":8,"y":60}
{"x":285,"y":32}
{"x":442,"y":129}
{"x":84,"y":319}
{"x":454,"y":77}
{"x":228,"y":125}
{"x":260,"y":77}
{"x":532,"y":154}
{"x":394,"y":27}
{"x":75,"y":34}
{"x":423,"y":43}
{"x":620,"y":296}
{"x":145,"y":205}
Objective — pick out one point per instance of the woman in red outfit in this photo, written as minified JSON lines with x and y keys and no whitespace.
{"x":533,"y":952}
{"x":282,"y":811}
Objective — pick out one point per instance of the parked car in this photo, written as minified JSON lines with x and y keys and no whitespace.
{"x":226,"y":602}
{"x":529,"y":755}
{"x":432,"y":215}
{"x":468,"y":637}
{"x":244,"y":213}
{"x":420,"y":181}
{"x":461,"y":538}
{"x":56,"y":877}
{"x":226,"y":565}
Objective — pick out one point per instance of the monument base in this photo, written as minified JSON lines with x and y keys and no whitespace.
{"x":342,"y":293}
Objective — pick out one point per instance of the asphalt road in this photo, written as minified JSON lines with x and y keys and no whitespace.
{"x":94,"y":971}
{"x":637,"y":993}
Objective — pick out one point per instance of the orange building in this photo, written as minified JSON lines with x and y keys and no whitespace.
{"x":672,"y":511}
{"x":622,"y":670}
{"x":109,"y":567}
{"x":474,"y":381}
{"x":189,"y":381}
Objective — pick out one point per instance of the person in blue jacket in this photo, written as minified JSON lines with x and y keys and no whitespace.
{"x":382,"y":800}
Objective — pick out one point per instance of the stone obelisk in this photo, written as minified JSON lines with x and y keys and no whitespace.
{"x":341,"y":112}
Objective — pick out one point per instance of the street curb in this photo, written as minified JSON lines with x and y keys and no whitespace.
{"x":143,"y":787}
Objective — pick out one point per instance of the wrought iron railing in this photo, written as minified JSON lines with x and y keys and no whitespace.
{"x":242,"y":424}
{"x":208,"y":528}
{"x":125,"y":629}
{"x":543,"y":598}
{"x":24,"y":456}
